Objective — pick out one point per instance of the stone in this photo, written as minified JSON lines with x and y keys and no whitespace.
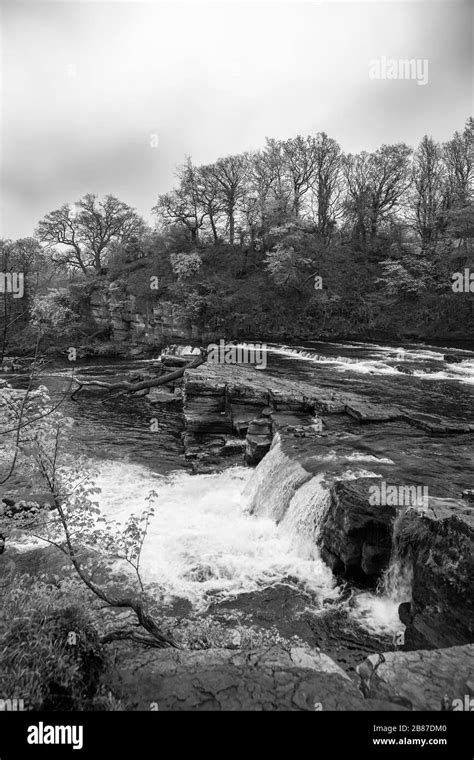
{"x":355,"y":536}
{"x":438,"y":546}
{"x":365,"y":412}
{"x":423,"y":679}
{"x":279,"y":678}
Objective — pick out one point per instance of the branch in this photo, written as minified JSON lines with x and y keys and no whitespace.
{"x":130,"y":387}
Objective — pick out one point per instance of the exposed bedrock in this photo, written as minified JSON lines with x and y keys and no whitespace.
{"x":441,"y":679}
{"x":355,"y":536}
{"x":439,"y":546}
{"x":279,"y":678}
{"x":319,"y":453}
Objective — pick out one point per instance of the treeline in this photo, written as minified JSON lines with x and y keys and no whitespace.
{"x":241,"y":198}
{"x":297,"y":240}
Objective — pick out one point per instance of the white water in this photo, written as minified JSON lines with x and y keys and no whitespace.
{"x":274,"y":483}
{"x":202,"y":544}
{"x":382,"y":360}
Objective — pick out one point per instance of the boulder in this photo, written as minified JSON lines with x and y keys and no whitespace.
{"x":439,"y":547}
{"x":355,"y":536}
{"x":421,"y":680}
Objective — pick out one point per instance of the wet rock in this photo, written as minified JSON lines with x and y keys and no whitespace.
{"x":287,"y":610}
{"x":436,"y":424}
{"x":233,"y":447}
{"x":242,"y":415}
{"x":438,"y":545}
{"x":291,"y":419}
{"x":14,"y":508}
{"x":355,"y":536}
{"x":258,"y":440}
{"x":403,"y":368}
{"x":421,"y":680}
{"x":366,"y":412}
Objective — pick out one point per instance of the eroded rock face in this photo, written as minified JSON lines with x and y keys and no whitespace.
{"x":421,"y":680}
{"x":258,"y":440}
{"x":355,"y":536}
{"x":439,"y":546}
{"x":278,"y":678}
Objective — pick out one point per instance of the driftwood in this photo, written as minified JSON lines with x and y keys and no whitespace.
{"x":130,"y":387}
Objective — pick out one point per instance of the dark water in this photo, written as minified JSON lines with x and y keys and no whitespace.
{"x":203,"y":546}
{"x":377,"y":374}
{"x":119,"y":427}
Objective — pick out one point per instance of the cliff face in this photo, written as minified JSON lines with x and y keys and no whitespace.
{"x":356,"y":537}
{"x":440,"y":547}
{"x":139,"y":322}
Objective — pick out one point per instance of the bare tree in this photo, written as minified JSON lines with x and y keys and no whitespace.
{"x":183,"y":205}
{"x":86,"y":231}
{"x":376,"y":182}
{"x":299,"y":155}
{"x":210,"y":197}
{"x":459,"y":158}
{"x":230,"y":173}
{"x":429,"y":191}
{"x":327,"y":183}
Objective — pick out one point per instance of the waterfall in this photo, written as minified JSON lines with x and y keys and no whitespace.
{"x":304,"y":515}
{"x":303,"y":353}
{"x":274,"y":483}
{"x":396,"y":583}
{"x":379,"y":611}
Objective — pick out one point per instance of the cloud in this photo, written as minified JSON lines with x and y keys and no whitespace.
{"x":85,"y":84}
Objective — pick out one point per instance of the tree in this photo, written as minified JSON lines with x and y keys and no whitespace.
{"x":299,"y":155}
{"x":281,"y":200}
{"x":183,"y":205}
{"x":230,"y":174}
{"x":376,"y":182}
{"x":459,"y":158}
{"x":327,"y":183}
{"x":86,"y":231}
{"x":210,"y":197}
{"x":429,"y":191}
{"x":25,"y":258}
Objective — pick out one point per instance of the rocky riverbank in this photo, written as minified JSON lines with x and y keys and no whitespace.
{"x":318,"y":452}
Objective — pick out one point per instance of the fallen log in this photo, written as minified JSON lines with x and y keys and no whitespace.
{"x":130,"y":387}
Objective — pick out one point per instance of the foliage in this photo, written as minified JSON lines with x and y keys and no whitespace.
{"x":40,"y":664}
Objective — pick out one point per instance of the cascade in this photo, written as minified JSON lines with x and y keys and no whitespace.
{"x":274,"y":483}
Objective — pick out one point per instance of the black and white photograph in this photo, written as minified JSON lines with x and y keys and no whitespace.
{"x":237,"y":368}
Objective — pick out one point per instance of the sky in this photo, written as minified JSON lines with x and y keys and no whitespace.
{"x":109,"y":97}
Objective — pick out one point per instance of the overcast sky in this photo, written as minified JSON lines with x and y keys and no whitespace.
{"x":86,"y":84}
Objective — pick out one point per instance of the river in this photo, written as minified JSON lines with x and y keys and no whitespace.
{"x":203,"y":546}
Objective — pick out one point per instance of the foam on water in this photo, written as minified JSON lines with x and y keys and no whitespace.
{"x":202,"y":544}
{"x":384,"y":360}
